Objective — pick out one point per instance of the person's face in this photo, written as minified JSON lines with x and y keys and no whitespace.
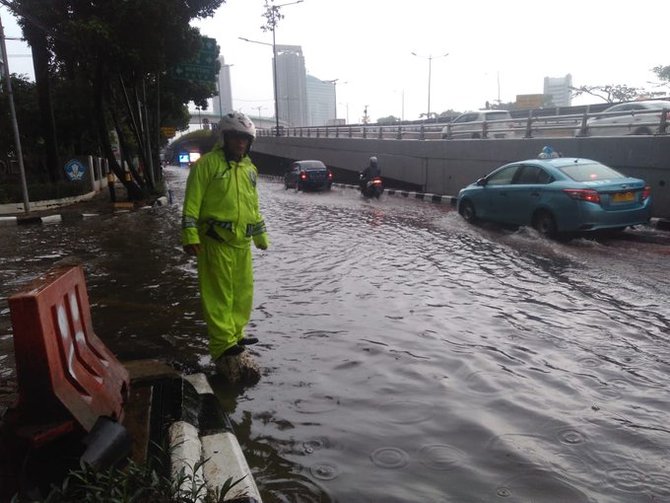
{"x":236,"y":145}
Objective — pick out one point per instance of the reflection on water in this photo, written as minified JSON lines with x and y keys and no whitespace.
{"x":407,"y":356}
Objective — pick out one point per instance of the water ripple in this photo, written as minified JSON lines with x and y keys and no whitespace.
{"x":441,"y":457}
{"x":389,"y":457}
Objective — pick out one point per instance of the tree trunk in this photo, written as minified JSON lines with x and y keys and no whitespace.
{"x":134,"y":191}
{"x":38,"y":44}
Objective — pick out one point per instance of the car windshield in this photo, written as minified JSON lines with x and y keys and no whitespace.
{"x":590,"y":172}
{"x":312,"y":165}
{"x":496,"y":116}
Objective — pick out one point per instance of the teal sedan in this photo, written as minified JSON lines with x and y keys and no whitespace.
{"x":558,"y":195}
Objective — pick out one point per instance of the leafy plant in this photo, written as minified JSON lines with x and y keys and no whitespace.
{"x":136,"y":483}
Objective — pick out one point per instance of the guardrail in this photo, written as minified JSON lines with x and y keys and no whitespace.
{"x":574,"y":125}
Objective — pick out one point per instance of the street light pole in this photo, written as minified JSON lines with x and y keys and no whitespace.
{"x":273,"y":15}
{"x":274,"y":71}
{"x":430,"y":64}
{"x":15,"y":124}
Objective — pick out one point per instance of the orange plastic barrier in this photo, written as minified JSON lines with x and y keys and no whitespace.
{"x":63,"y":370}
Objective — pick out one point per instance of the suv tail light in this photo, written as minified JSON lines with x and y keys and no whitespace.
{"x":646,"y":192}
{"x":588,"y":195}
{"x":303,"y":175}
{"x":330,"y":175}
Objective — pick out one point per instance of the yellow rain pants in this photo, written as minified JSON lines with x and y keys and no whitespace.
{"x":226,"y":291}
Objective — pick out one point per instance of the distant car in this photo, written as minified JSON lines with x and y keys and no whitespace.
{"x":636,"y":117}
{"x":559,"y":195}
{"x":469,"y":125}
{"x":308,"y":175}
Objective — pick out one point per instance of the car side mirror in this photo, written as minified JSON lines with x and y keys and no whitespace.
{"x":481,"y":182}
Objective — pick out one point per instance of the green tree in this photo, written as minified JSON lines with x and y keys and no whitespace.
{"x":27,"y":116}
{"x":610,"y":93}
{"x":113,"y":53}
{"x":391,"y":119}
{"x":663,"y":74}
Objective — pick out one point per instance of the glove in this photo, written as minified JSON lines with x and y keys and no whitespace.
{"x":261,"y":241}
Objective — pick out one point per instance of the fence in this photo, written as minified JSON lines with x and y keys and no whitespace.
{"x":569,"y":125}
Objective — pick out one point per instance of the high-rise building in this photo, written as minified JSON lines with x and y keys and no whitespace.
{"x":559,"y":88}
{"x":291,"y":85}
{"x":223,"y":103}
{"x":320,"y":101}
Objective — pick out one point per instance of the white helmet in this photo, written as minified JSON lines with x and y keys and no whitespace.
{"x":237,"y":122}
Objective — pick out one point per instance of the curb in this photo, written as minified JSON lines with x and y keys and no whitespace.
{"x":211,"y":453}
{"x":423,"y":196}
{"x":70,"y":215}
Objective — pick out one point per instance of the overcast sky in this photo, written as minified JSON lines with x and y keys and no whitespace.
{"x":496,"y":49}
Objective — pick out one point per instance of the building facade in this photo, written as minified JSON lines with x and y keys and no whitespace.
{"x":223,"y":103}
{"x":559,"y":88}
{"x":320,"y":101}
{"x":291,"y":89}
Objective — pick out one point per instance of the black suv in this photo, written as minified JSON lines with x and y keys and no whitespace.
{"x":308,"y":175}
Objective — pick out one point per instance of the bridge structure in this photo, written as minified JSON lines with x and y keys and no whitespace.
{"x":443,"y":167}
{"x":205,"y":119}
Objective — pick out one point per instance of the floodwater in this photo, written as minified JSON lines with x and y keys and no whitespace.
{"x":407,"y":356}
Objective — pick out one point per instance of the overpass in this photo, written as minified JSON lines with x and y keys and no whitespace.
{"x":203,"y":120}
{"x":445,"y":166}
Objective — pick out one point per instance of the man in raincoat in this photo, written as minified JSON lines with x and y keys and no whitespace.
{"x":220,"y":219}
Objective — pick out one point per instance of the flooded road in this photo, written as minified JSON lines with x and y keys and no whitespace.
{"x":407,"y":356}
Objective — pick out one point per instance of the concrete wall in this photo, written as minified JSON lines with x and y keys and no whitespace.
{"x":445,"y":166}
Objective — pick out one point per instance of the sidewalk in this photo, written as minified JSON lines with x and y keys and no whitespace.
{"x":98,"y":204}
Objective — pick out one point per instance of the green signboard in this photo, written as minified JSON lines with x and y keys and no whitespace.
{"x":203,"y":68}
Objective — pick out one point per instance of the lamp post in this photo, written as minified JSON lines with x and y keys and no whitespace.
{"x":430,"y":62}
{"x":274,"y":74}
{"x":272,"y":16}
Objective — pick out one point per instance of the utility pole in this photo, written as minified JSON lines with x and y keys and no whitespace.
{"x":430,"y":67}
{"x":15,"y":124}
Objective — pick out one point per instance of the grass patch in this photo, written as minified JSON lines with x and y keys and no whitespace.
{"x":135,"y":483}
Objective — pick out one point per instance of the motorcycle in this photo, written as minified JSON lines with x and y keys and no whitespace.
{"x":371,"y":188}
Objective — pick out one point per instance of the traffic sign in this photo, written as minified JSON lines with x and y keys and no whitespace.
{"x":168,"y":132}
{"x":203,"y":67}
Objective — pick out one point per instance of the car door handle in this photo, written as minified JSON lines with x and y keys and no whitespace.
{"x":534,"y":194}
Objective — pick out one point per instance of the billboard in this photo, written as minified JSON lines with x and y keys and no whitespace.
{"x":524,"y":101}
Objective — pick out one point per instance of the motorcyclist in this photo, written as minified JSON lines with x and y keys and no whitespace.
{"x":371,"y":171}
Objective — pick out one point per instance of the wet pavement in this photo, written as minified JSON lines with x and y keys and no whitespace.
{"x":407,"y":356}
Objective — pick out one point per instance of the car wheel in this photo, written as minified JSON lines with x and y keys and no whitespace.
{"x":297,"y":187}
{"x":286,"y":186}
{"x":467,"y":211}
{"x":544,"y":223}
{"x":642,"y":130}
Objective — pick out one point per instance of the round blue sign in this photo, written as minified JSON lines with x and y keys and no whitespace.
{"x":75,"y":170}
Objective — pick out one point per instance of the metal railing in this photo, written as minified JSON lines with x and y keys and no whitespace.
{"x":571,"y":125}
